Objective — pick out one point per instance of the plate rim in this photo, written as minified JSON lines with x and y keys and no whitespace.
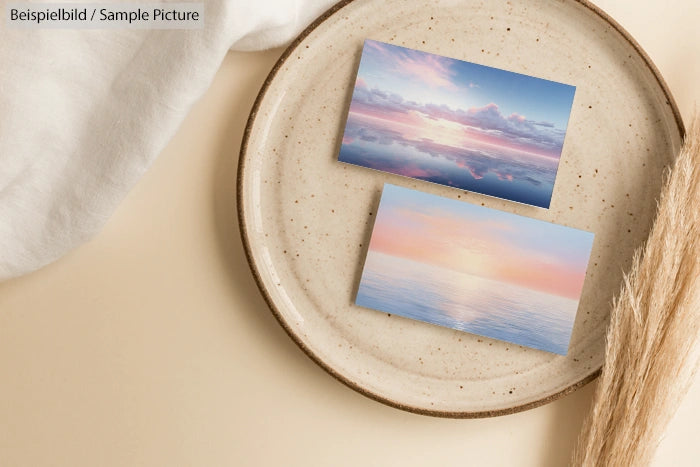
{"x":243,"y":227}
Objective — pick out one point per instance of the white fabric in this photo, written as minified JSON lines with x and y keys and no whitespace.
{"x":83,"y":113}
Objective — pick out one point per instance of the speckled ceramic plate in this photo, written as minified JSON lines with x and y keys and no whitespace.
{"x":306,"y":218}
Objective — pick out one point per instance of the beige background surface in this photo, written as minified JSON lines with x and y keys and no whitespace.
{"x":151,"y":344}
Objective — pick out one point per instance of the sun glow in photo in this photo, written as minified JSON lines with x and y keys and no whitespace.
{"x":475,"y":269}
{"x":456,"y":123}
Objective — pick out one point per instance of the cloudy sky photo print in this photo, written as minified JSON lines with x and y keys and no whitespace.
{"x":456,"y":123}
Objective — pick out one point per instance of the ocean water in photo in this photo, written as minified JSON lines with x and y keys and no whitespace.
{"x":467,"y":302}
{"x":487,"y":172}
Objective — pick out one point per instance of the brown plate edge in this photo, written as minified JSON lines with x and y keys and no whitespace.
{"x":268,"y":299}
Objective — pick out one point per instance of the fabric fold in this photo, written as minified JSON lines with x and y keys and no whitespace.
{"x":84,"y":113}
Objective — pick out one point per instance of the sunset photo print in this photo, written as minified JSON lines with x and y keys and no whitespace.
{"x":456,"y":123}
{"x":475,"y":269}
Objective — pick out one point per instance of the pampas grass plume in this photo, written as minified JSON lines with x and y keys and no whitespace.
{"x":651,"y":352}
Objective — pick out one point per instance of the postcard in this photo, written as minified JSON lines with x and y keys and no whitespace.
{"x":475,"y":269}
{"x":456,"y":123}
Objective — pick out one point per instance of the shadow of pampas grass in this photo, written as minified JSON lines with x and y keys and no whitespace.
{"x":651,"y":352}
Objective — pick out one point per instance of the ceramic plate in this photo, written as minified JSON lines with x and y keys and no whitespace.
{"x":306,"y":218}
